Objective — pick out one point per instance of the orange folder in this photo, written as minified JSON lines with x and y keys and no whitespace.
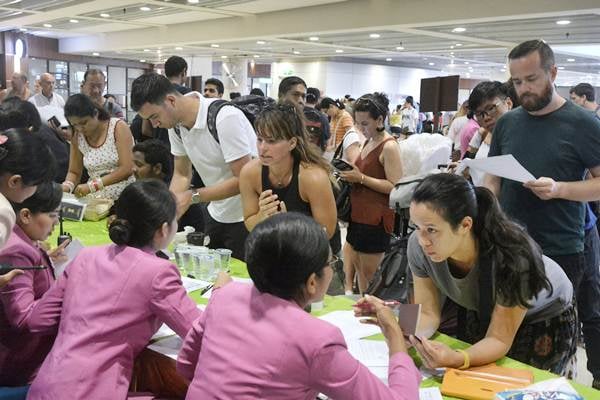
{"x":482,"y":383}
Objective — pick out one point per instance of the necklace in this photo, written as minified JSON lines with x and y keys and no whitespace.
{"x":281,"y":181}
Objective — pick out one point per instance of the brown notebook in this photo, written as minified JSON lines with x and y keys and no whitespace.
{"x":482,"y":383}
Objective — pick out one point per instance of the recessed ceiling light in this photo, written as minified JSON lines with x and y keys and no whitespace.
{"x":48,"y":25}
{"x":142,"y":60}
{"x":95,"y":54}
{"x":458,"y":44}
{"x":313,"y":38}
{"x":158,"y":51}
{"x":452,"y":65}
{"x":260,"y":42}
{"x":563,"y":22}
{"x":399,"y":47}
{"x":452,"y":52}
{"x":502,"y":70}
{"x":105,"y":15}
{"x":215,"y":45}
{"x":570,"y":59}
{"x":425,"y":58}
{"x":388,"y":59}
{"x":146,"y":49}
{"x":459,"y":29}
{"x":339,"y":51}
{"x":431,"y":63}
{"x":74,"y":21}
{"x":451,"y":47}
{"x":296,"y":52}
{"x":256,"y":56}
{"x":23,"y":29}
{"x":468,"y":75}
{"x":223,"y":56}
{"x":466,"y":63}
{"x":145,"y":8}
{"x":193,"y":1}
{"x":374,"y":35}
{"x":561,"y":67}
{"x":178,"y":48}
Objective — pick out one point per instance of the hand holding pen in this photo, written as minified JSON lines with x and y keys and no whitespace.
{"x":381,"y":315}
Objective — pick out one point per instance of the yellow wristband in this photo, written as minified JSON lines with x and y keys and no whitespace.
{"x":467,"y":361}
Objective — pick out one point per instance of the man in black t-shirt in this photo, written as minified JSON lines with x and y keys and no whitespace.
{"x":176,"y":72}
{"x":557,"y":142}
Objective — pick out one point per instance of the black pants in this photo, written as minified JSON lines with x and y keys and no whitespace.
{"x":227,"y":236}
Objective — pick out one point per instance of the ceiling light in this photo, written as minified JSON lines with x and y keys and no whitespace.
{"x":459,"y":29}
{"x":215,"y":45}
{"x":193,"y":1}
{"x":95,"y":54}
{"x":374,"y":35}
{"x":47,"y":25}
{"x":313,"y":38}
{"x":466,"y":63}
{"x":145,"y":8}
{"x":561,"y":67}
{"x":158,"y":51}
{"x":256,"y":56}
{"x":458,"y":44}
{"x":452,"y":65}
{"x":146,"y":49}
{"x":388,"y":59}
{"x":13,"y":2}
{"x":105,"y":15}
{"x":296,"y":52}
{"x":74,"y":21}
{"x":431,"y":63}
{"x":178,"y":48}
{"x":451,"y":47}
{"x":223,"y":56}
{"x":503,"y":69}
{"x":23,"y":29}
{"x":142,"y":60}
{"x":563,"y":22}
{"x":339,"y":51}
{"x":468,"y":75}
{"x":570,"y":59}
{"x":399,"y":47}
{"x":260,"y":42}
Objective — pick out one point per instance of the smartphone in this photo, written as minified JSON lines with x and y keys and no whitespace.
{"x":54,"y":122}
{"x":7,"y":268}
{"x":341,"y":165}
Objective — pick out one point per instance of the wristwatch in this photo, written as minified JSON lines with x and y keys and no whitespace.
{"x":195,"y":197}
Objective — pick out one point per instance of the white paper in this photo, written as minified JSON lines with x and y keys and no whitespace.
{"x":350,"y":325}
{"x":235,"y":279}
{"x":162,"y":332}
{"x":71,"y":252}
{"x":191,"y":284}
{"x":371,"y":353}
{"x":505,"y":166}
{"x":430,"y":393}
{"x":168,"y":346}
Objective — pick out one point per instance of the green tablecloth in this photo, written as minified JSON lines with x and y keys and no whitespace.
{"x":96,"y":233}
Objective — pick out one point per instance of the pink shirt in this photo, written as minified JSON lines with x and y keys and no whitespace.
{"x":250,"y":345}
{"x":466,"y":134}
{"x":107,"y":305}
{"x":22,"y":352}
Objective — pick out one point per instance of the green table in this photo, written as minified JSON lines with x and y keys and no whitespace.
{"x":96,"y":233}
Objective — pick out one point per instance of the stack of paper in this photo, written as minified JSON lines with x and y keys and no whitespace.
{"x":350,"y":326}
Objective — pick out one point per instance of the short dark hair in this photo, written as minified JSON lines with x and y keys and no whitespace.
{"x":150,"y":88}
{"x":216,"y":82}
{"x":584,"y":89}
{"x":257,"y":92}
{"x":376,"y":104}
{"x":485,"y":91}
{"x":46,"y":198}
{"x":327,"y":102}
{"x":283,"y":251}
{"x":174,"y":66}
{"x":528,"y":47}
{"x":141,"y":209}
{"x":93,"y":71}
{"x":17,"y":113}
{"x":156,"y":152}
{"x":410,"y":100}
{"x":24,"y":153}
{"x":312,"y":95}
{"x":234,"y":95}
{"x":287,"y":83}
{"x":80,"y":105}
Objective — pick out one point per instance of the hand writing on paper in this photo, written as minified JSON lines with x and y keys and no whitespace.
{"x":544,"y":188}
{"x":436,"y":354}
{"x":382,"y":316}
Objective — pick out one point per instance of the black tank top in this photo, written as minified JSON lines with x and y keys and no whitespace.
{"x":290,"y":194}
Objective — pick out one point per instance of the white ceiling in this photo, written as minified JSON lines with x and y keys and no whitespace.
{"x":418,"y":34}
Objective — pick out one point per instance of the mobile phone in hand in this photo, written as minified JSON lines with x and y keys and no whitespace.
{"x":7,"y":268}
{"x":341,"y":165}
{"x":54,"y":122}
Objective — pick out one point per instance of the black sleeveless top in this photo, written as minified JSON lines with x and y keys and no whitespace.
{"x":290,"y":195}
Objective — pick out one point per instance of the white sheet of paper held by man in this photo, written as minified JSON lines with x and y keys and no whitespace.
{"x":505,"y":166}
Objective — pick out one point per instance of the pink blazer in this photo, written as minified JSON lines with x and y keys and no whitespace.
{"x":110,"y":301}
{"x":249,"y":345}
{"x":22,"y":352}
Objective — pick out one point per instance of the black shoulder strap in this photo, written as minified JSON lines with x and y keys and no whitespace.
{"x":486,"y":291}
{"x":211,"y":118}
{"x":338,"y":151}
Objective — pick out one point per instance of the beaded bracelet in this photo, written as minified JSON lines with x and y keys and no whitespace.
{"x":70,"y":185}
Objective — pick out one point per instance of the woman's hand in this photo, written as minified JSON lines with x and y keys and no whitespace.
{"x":435,"y":354}
{"x":352,"y":176}
{"x":268,"y":204}
{"x":58,"y":255}
{"x":81,"y":190}
{"x":382,"y":316}
{"x":222,"y":279}
{"x":4,"y":279}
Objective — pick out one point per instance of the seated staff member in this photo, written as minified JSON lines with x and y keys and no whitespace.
{"x":376,"y":171}
{"x":21,"y":352}
{"x":289,"y":261}
{"x":25,"y":162}
{"x":465,"y":247}
{"x":102,"y":145}
{"x":111,"y":300}
{"x":289,"y":175}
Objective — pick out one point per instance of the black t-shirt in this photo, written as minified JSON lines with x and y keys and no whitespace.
{"x":561,"y":145}
{"x":59,"y":148}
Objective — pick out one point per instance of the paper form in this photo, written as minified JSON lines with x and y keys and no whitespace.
{"x":71,"y":252}
{"x":350,"y":326}
{"x":430,"y":393}
{"x":505,"y":166}
{"x":372,"y":353}
{"x":168,"y":346}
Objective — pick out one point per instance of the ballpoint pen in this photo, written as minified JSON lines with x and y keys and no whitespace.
{"x":387,"y":303}
{"x":206,"y":289}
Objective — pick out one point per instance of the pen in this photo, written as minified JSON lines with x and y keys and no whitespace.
{"x":387,"y":303}
{"x":206,"y":289}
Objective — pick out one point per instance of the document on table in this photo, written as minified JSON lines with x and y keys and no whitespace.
{"x":505,"y":166}
{"x":235,"y":279}
{"x":191,"y":284}
{"x":71,"y":252}
{"x":168,"y":346}
{"x":350,"y":326}
{"x":430,"y":393}
{"x":372,"y":353}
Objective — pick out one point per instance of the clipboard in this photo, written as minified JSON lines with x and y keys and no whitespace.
{"x":482,"y":383}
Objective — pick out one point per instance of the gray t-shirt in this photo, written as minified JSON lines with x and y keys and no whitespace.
{"x":465,"y":291}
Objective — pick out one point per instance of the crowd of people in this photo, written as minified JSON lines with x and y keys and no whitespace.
{"x":517,"y":263}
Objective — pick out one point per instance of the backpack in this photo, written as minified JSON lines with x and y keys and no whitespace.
{"x":251,"y":105}
{"x":314,"y":127}
{"x":342,"y":192}
{"x":392,"y":280}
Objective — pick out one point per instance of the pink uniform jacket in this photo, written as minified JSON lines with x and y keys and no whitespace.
{"x":22,"y":352}
{"x":109,"y":302}
{"x":249,"y":345}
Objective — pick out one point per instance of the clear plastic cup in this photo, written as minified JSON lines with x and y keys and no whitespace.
{"x":183,"y":259}
{"x":204,"y":266}
{"x":225,"y":256}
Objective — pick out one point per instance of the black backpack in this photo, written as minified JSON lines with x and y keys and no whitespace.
{"x":251,"y":105}
{"x":392,"y":280}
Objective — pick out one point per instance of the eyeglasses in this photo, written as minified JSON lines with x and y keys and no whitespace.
{"x":490,"y":111}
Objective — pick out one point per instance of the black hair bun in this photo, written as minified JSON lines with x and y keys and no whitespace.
{"x":120,"y":231}
{"x":382,"y":99}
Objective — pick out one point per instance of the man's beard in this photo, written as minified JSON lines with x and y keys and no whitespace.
{"x":533,"y":102}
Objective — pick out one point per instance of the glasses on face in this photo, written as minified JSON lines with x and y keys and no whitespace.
{"x":491,"y":111}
